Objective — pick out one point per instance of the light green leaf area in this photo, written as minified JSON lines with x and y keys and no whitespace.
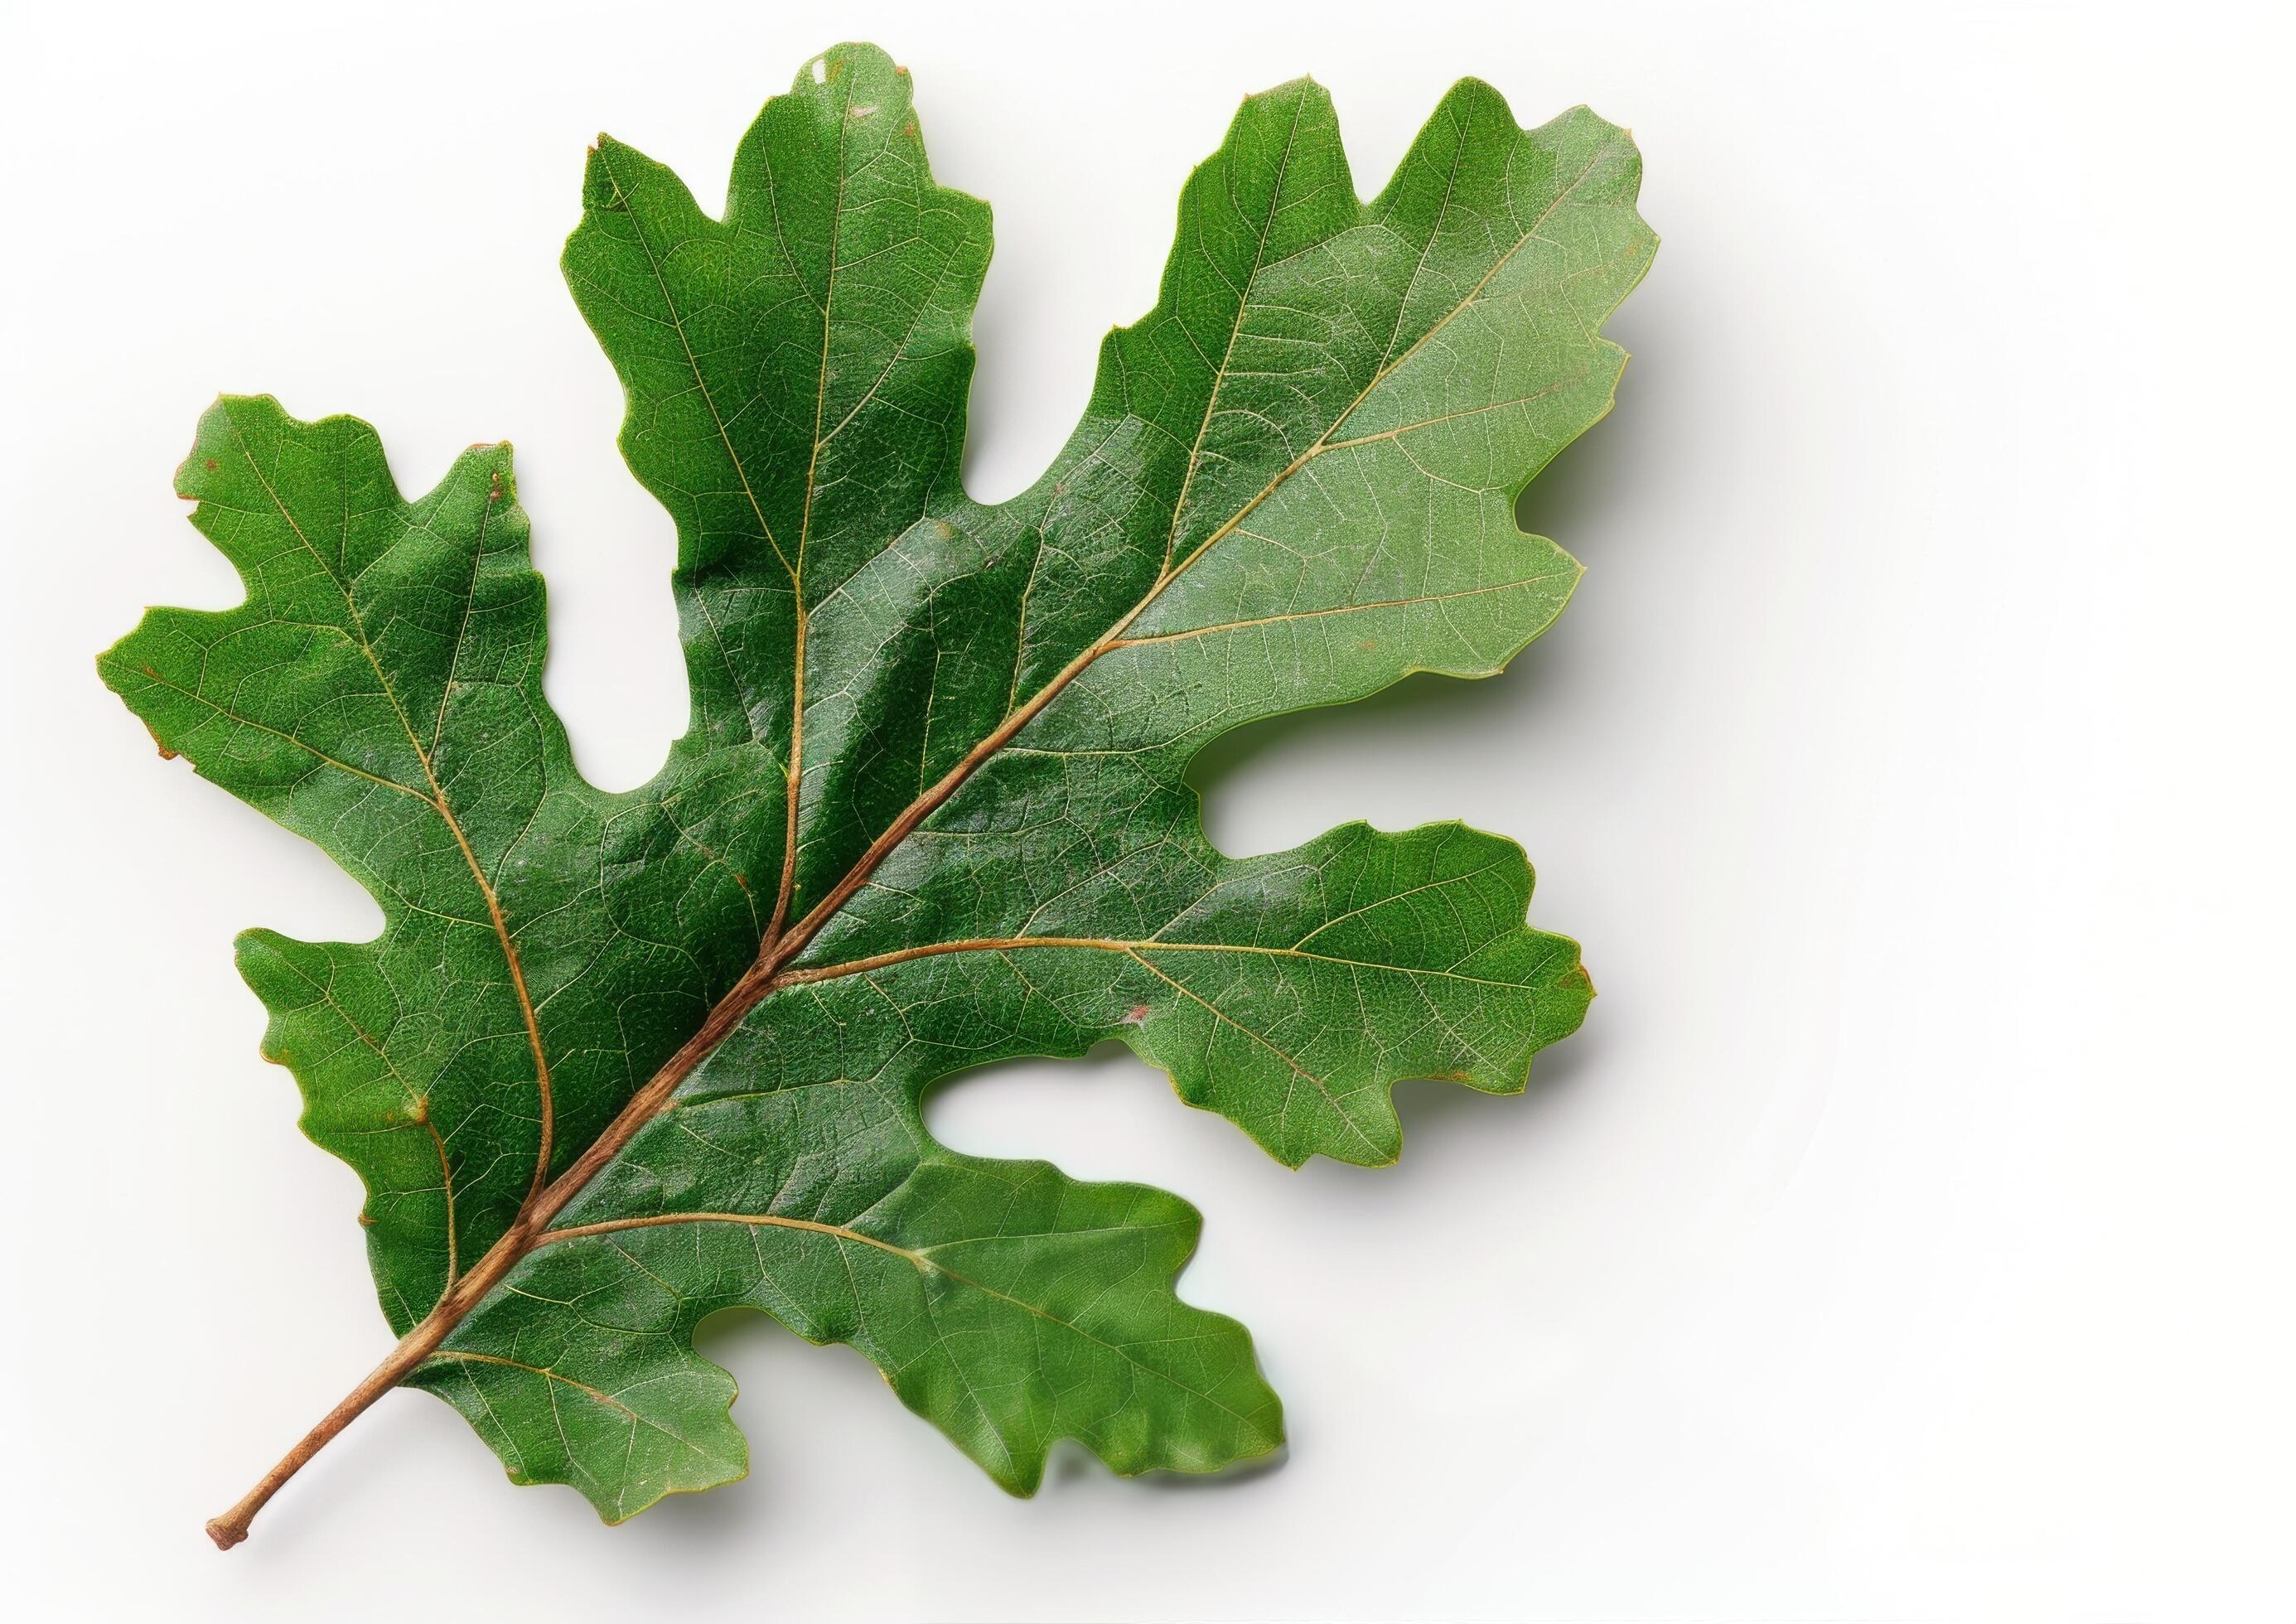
{"x":618,"y":1062}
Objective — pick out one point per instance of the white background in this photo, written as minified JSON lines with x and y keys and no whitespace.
{"x":1908,"y":1232}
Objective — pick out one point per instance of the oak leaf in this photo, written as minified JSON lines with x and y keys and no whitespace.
{"x":620,"y":1061}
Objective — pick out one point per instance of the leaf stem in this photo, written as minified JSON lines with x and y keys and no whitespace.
{"x":228,"y":1529}
{"x":416,"y":1346}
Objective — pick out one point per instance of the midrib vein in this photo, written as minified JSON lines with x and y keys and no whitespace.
{"x":1135,"y":948}
{"x":436,"y":800}
{"x":1235,"y":330}
{"x":1336,"y":609}
{"x":796,"y":771}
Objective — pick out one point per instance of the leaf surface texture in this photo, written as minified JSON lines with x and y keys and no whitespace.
{"x":657,"y":1053}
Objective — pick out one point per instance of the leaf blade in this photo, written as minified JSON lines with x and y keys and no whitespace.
{"x":931,"y":810}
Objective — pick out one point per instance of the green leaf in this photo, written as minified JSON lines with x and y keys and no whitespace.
{"x":620,"y":1061}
